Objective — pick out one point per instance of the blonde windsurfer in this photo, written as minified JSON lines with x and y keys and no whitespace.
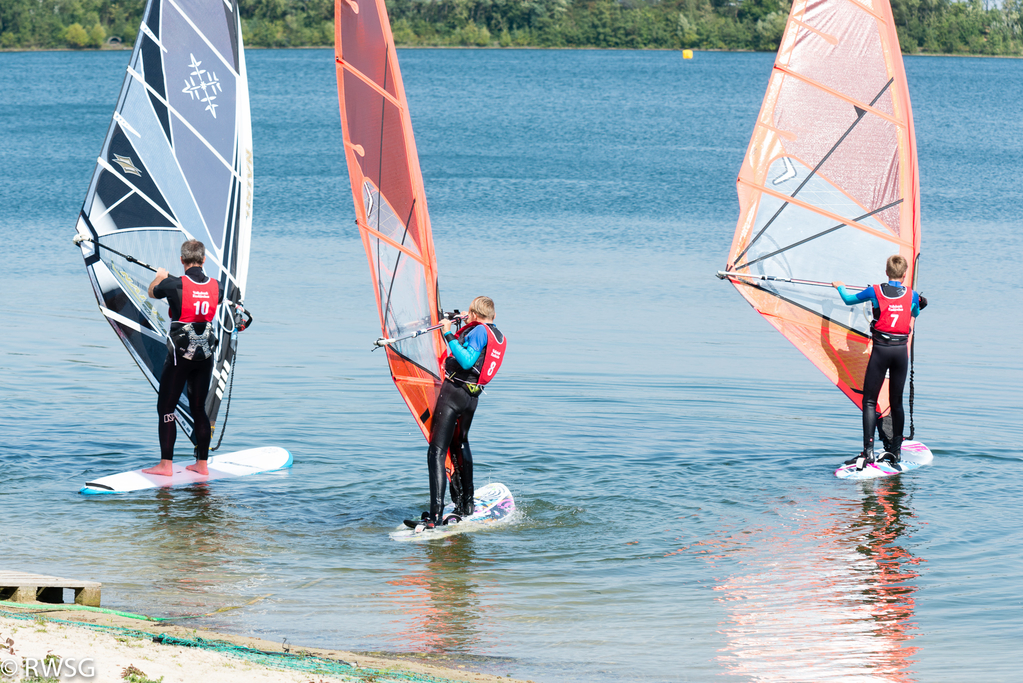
{"x":477,"y":351}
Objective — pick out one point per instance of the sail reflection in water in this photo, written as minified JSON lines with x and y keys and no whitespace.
{"x":440,"y":603}
{"x":827,"y":595}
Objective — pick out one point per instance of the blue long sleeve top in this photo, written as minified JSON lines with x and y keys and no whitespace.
{"x":468,"y":351}
{"x":869,"y":295}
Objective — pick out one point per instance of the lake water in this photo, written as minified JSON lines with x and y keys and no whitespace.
{"x":671,"y":454}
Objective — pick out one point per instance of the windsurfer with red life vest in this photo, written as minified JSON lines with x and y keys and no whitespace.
{"x":894,"y":306}
{"x":193,"y":299}
{"x":477,"y":351}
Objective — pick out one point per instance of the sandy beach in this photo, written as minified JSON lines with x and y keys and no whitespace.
{"x":51,"y":642}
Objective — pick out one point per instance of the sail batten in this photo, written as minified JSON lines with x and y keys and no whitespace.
{"x":828,"y":188}
{"x":176,"y":164}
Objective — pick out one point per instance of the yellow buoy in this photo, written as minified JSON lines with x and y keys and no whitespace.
{"x":687,"y":54}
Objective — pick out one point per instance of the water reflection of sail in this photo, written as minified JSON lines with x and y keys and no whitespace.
{"x":439,"y":602}
{"x":830,"y":599}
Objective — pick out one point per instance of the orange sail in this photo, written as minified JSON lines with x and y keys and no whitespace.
{"x":390,"y":204}
{"x":829,"y":187}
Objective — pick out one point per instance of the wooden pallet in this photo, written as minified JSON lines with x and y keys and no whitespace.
{"x":25,"y":587}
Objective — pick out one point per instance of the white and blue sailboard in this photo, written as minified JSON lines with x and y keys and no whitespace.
{"x":238,"y":464}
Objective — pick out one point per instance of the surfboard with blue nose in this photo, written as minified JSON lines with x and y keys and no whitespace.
{"x":227,"y":465}
{"x":914,"y":455}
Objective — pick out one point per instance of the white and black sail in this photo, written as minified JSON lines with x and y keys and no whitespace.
{"x":176,"y":165}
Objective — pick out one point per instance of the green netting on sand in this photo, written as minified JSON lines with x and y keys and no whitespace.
{"x":279,"y":660}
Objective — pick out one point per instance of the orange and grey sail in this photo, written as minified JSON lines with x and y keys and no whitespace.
{"x":390,"y":204}
{"x":829,"y":187}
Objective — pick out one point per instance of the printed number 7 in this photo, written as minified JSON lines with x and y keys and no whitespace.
{"x":895,"y":319}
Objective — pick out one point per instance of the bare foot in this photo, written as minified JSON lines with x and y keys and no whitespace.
{"x":199,"y":468}
{"x":164,"y":469}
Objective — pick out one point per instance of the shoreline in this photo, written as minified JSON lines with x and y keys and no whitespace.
{"x":128,"y":48}
{"x":99,"y":646}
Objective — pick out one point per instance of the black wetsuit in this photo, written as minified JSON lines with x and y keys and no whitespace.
{"x":452,"y":418}
{"x":892,"y":359}
{"x":177,"y":371}
{"x":889,"y":356}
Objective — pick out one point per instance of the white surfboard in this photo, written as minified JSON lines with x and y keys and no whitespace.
{"x":914,"y":454}
{"x":494,"y":505}
{"x":237,"y":464}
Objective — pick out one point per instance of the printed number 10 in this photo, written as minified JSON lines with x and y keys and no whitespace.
{"x":202,"y":307}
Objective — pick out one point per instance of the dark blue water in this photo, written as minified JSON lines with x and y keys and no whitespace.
{"x":671,"y":453}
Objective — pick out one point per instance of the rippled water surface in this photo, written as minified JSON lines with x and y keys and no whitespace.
{"x":672,"y":455}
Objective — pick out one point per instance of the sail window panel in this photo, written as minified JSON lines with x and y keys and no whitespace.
{"x":363,"y":45}
{"x":854,"y":62}
{"x":845,"y":254}
{"x":404,"y":300}
{"x":159,"y":248}
{"x":112,"y":295}
{"x":865,"y":163}
{"x":829,"y":254}
{"x":375,"y":125}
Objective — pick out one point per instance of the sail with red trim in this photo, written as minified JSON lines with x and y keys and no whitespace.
{"x":829,"y":188}
{"x":390,"y":203}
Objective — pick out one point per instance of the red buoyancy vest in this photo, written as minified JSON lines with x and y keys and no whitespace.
{"x":199,"y":301}
{"x":896,"y":314}
{"x":492,"y":355}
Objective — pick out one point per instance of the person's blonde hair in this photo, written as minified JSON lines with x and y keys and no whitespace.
{"x":483,"y":306}
{"x":896,"y":267}
{"x":193,"y":253}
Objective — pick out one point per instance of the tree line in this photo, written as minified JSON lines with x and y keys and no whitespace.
{"x":925,"y":26}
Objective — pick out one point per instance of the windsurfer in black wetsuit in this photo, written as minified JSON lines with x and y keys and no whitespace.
{"x":894,"y":306}
{"x":193,"y":300}
{"x":477,"y":351}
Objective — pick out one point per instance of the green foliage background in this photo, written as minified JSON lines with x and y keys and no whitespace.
{"x":931,"y":26}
